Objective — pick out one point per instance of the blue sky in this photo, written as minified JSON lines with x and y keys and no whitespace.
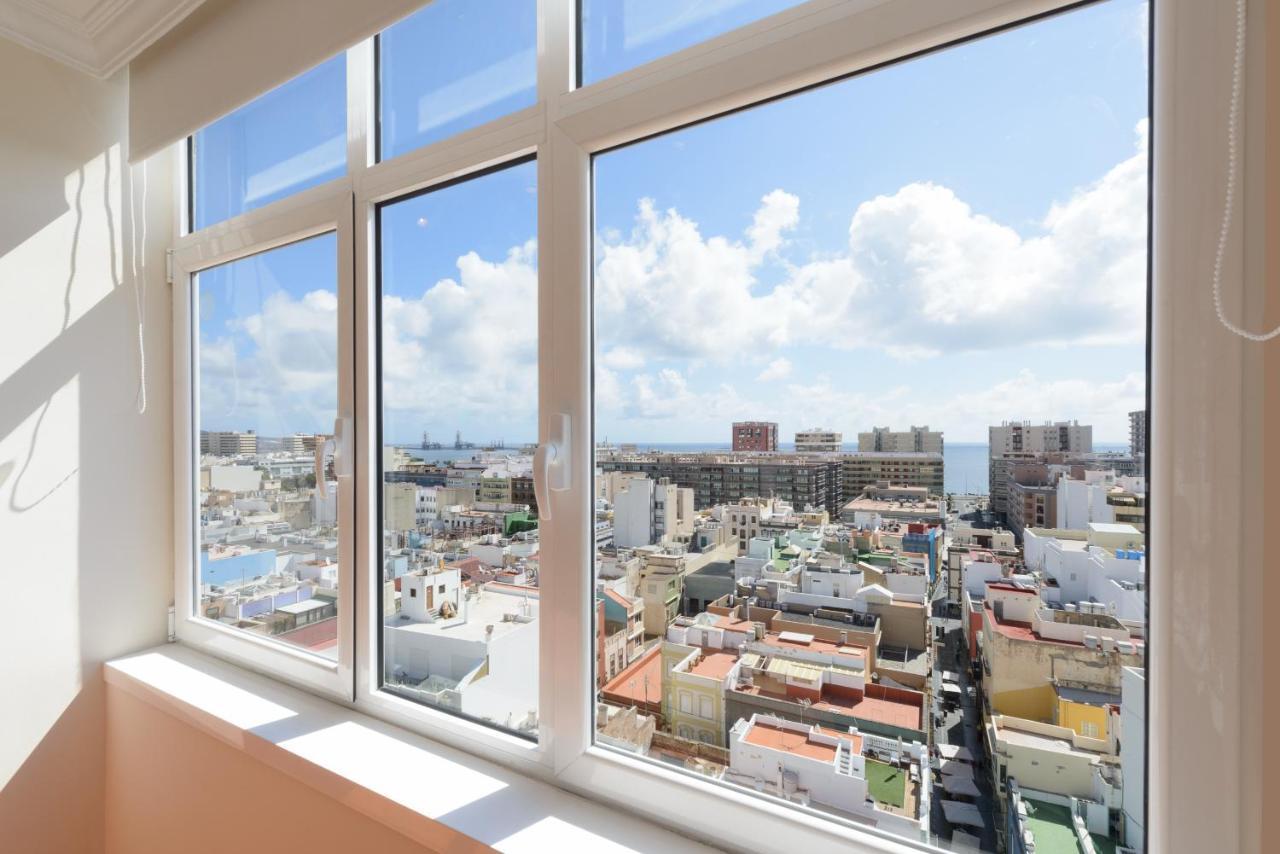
{"x":954,"y":240}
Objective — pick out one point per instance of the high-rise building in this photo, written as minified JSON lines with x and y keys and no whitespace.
{"x":301,"y":443}
{"x":905,"y":468}
{"x":1017,"y":437}
{"x":228,"y":443}
{"x":818,"y":441}
{"x":755,"y":436}
{"x":918,"y":439}
{"x":1138,"y":432}
{"x":724,"y":478}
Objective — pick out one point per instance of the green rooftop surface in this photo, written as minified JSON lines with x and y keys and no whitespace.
{"x":1051,"y":827}
{"x":888,"y":783}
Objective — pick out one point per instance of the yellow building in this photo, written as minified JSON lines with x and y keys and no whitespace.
{"x":1027,"y":648}
{"x":1087,"y":712}
{"x":693,"y":686}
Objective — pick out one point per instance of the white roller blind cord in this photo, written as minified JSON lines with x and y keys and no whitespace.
{"x":139,"y":248}
{"x":1233,"y":125}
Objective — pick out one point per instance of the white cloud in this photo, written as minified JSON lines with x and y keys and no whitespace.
{"x":275,"y":371}
{"x":922,"y":274}
{"x":466,"y":349}
{"x":778,"y":369}
{"x":622,"y":359}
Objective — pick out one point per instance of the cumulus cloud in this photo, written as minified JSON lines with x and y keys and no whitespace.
{"x":466,"y":345}
{"x":274,"y":371}
{"x":922,"y":274}
{"x":466,"y":348}
{"x":778,"y":369}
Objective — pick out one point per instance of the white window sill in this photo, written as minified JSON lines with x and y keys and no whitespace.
{"x":421,"y":788}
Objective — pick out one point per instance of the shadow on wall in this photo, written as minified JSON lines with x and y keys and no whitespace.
{"x":84,"y":479}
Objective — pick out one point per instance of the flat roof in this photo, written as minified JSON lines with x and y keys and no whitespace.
{"x":715,"y":665}
{"x":789,"y":741}
{"x":888,"y":712}
{"x":495,"y":601}
{"x":800,"y":641}
{"x":1114,"y":528}
{"x":304,"y":607}
{"x":640,"y":682}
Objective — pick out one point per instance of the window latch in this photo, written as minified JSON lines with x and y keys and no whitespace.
{"x":551,"y":471}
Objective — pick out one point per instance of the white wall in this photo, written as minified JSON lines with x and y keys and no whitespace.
{"x":85,"y":481}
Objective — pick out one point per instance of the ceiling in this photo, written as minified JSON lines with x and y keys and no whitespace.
{"x":97,"y":37}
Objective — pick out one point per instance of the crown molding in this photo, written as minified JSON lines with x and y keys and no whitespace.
{"x":98,"y":41}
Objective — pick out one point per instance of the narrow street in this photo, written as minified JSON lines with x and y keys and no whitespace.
{"x":962,"y":726}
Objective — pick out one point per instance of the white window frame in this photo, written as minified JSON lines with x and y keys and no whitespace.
{"x":813,"y":42}
{"x":310,"y":213}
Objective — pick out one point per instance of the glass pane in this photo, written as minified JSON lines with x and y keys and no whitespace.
{"x":459,"y":363}
{"x":618,"y":35}
{"x":289,"y":139}
{"x":267,"y":384}
{"x":453,"y":65}
{"x":870,"y":520}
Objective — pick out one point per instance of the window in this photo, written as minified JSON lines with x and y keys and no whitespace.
{"x":422,"y":380}
{"x":447,"y":68}
{"x":289,"y":139}
{"x":841,"y":227}
{"x":618,"y":35}
{"x":266,"y":359}
{"x":458,"y":355}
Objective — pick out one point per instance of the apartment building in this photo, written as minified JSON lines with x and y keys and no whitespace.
{"x":905,"y":468}
{"x":915,"y":439}
{"x":228,"y":443}
{"x":1138,"y":432}
{"x":819,"y":441}
{"x":755,"y":436}
{"x":1015,"y":437}
{"x":802,"y":482}
{"x":305,"y":443}
{"x":1027,"y":645}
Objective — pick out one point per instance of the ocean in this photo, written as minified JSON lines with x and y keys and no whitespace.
{"x":965,"y":463}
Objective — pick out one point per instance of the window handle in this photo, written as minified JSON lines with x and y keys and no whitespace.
{"x":342,"y":451}
{"x":551,"y":472}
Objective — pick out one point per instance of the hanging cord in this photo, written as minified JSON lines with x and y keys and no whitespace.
{"x":140,"y":282}
{"x":1233,"y":123}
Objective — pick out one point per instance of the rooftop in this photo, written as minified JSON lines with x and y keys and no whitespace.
{"x":800,"y":641}
{"x":790,"y":741}
{"x":640,"y":683}
{"x":715,"y":665}
{"x":493,"y":607}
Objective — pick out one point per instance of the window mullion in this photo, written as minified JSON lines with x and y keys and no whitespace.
{"x":564,"y":359}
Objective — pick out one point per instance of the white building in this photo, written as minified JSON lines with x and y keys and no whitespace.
{"x":1105,"y":565}
{"x":633,"y":524}
{"x":819,"y":441}
{"x":235,"y":478}
{"x":820,"y":767}
{"x":471,"y":651}
{"x":1083,"y":501}
{"x":810,"y":764}
{"x":324,"y":504}
{"x":1133,"y":753}
{"x":228,"y":443}
{"x":1016,"y":437}
{"x":920,"y":439}
{"x":646,"y":513}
